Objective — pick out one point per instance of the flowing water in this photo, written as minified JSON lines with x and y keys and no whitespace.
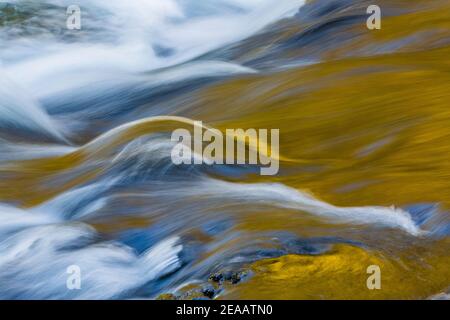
{"x":86,"y":176}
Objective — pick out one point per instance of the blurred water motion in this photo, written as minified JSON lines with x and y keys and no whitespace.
{"x":86,"y":177}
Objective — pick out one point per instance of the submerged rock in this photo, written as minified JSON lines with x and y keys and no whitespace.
{"x":217,"y":283}
{"x":232,"y":277}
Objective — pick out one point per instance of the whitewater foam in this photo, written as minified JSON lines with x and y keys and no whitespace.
{"x":109,"y":270}
{"x":128,"y":38}
{"x":18,"y":111}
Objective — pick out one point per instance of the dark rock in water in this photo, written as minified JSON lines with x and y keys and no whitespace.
{"x":239,"y":276}
{"x":216,"y":277}
{"x":229,"y":276}
{"x":209,"y":291}
{"x":236,"y":278}
{"x":197,"y":294}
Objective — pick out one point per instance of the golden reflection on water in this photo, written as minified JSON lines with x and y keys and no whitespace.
{"x":341,"y":274}
{"x":371,"y":130}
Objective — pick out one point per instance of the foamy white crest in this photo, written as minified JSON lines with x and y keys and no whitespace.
{"x":136,"y":36}
{"x":286,"y":197}
{"x":108,"y":270}
{"x":13,"y":219}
